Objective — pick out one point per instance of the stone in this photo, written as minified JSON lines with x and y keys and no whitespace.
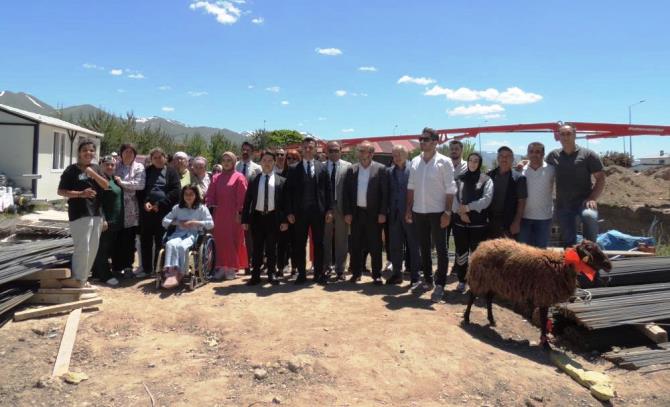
{"x":151,"y":365}
{"x":260,"y":374}
{"x":537,"y":397}
{"x":74,"y":377}
{"x":38,"y":331}
{"x":276,"y":400}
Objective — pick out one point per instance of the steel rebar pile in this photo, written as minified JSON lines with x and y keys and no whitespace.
{"x":21,"y":259}
{"x":42,"y":229}
{"x":624,"y":307}
{"x":636,"y":358}
{"x":640,"y":270}
{"x":13,"y":297}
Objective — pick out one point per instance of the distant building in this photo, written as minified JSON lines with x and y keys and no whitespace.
{"x":652,"y":162}
{"x":35,"y":149}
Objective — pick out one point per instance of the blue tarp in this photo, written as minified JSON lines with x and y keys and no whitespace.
{"x":615,"y":240}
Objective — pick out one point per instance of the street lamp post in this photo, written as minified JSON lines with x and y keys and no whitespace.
{"x":630,"y":138}
{"x":395,"y":128}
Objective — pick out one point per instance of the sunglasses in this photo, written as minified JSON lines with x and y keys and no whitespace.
{"x":292,"y":158}
{"x":333,"y":150}
{"x":280,"y":154}
{"x":425,"y":140}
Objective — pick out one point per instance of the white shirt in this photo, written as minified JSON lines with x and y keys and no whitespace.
{"x":260,"y":202}
{"x":363,"y":179}
{"x":540,"y":182}
{"x":459,"y":169}
{"x":431,"y":182}
{"x":311,"y":166}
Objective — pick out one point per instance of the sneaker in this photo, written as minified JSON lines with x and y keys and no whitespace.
{"x":461,"y":287}
{"x":112,"y":281}
{"x":416,"y":286}
{"x":438,"y":294}
{"x":389,"y":266}
{"x":219,"y":274}
{"x":428,"y":285}
{"x":230,"y":275}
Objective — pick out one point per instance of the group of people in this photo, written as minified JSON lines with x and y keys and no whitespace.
{"x":263,"y":214}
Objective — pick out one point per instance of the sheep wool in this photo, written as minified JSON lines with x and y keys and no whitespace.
{"x":520,"y":273}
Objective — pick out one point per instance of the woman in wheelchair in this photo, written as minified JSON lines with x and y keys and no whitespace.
{"x":190,"y":217}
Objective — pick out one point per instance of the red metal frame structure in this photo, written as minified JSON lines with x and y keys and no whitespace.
{"x":585,"y":130}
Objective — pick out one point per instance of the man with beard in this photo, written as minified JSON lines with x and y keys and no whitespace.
{"x":249,"y":169}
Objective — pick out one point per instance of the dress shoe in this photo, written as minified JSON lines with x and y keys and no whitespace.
{"x":340,"y":277}
{"x":394,"y":280}
{"x":302,"y":279}
{"x":254,"y":281}
{"x":273,"y":281}
{"x":377,"y":281}
{"x":354,"y":279}
{"x":247,"y":271}
{"x":321,"y":279}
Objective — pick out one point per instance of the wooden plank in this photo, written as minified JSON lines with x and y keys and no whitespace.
{"x":66,"y":290}
{"x":53,"y":298}
{"x":626,"y":253}
{"x":654,"y":332}
{"x":43,"y":311}
{"x":62,"y":364}
{"x":51,"y":283}
{"x":49,"y":274}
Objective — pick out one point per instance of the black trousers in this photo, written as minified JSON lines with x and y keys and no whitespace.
{"x":310,"y":218}
{"x":366,"y":237}
{"x":107,"y":249}
{"x":283,"y":248}
{"x":430,"y":233}
{"x":264,"y":231}
{"x":466,"y":240}
{"x":151,"y":239}
{"x":124,"y":253}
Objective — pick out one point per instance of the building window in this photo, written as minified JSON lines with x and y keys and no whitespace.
{"x":58,"y":155}
{"x":662,"y":162}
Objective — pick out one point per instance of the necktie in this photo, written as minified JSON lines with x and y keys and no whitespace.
{"x":332,"y":180}
{"x":244,"y":169}
{"x":309,"y":169}
{"x":267,"y":193}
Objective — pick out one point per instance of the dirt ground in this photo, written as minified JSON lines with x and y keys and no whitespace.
{"x":627,"y":188}
{"x":342,"y":345}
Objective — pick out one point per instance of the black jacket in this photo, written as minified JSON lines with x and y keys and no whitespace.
{"x":171,"y":190}
{"x":251,"y":198}
{"x":295,"y":188}
{"x":377,"y":193}
{"x":516,"y":189}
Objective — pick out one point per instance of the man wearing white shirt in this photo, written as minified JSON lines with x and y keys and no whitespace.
{"x":430,"y":194}
{"x":538,"y":213}
{"x":249,"y":169}
{"x":336,"y":233}
{"x":264,"y":216}
{"x":365,"y":195}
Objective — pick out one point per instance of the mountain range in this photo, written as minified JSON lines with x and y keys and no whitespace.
{"x":178,"y":130}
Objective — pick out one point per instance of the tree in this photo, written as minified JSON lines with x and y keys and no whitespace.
{"x":196,"y":145}
{"x":219,"y":144}
{"x":616,"y":158}
{"x":281,"y":138}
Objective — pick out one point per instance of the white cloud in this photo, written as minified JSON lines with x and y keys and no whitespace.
{"x":332,"y":52}
{"x":418,"y":81}
{"x":167,"y":109}
{"x":197,"y":93}
{"x":347,"y":130}
{"x":284,"y":103}
{"x":476,"y":110}
{"x":116,"y":72}
{"x":494,"y":116}
{"x":340,"y":93}
{"x":258,"y":20}
{"x":224,"y":11}
{"x":273,"y":89}
{"x":165,"y":87}
{"x":511,"y":96}
{"x":93,"y":66}
{"x":136,"y":75}
{"x":121,"y":90}
{"x":250,"y":86}
{"x":322,"y":119}
{"x":367,"y":69}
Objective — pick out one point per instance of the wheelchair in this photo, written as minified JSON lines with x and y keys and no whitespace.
{"x":200,"y":261}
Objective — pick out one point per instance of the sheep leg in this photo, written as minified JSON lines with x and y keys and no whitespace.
{"x":544,"y":342}
{"x":471,"y":300}
{"x":489,"y":309}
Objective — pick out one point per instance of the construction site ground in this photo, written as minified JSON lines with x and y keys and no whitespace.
{"x":227,"y":344}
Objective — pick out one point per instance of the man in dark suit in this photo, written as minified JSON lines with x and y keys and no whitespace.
{"x":365,"y":207}
{"x":263,"y":214}
{"x":309,"y":207}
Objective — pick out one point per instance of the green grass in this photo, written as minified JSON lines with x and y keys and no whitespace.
{"x":663,"y":250}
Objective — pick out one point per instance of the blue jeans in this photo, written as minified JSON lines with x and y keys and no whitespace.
{"x":567,"y":221}
{"x":535,"y":232}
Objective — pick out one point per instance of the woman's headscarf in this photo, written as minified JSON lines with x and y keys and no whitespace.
{"x":469,"y":180}
{"x":231,"y":155}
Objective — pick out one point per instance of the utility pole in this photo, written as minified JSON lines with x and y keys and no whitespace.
{"x":630,"y":138}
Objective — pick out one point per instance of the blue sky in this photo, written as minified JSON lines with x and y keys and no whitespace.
{"x":235,"y":64}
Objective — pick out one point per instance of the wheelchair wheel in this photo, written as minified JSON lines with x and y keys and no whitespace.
{"x":206,"y":258}
{"x":158,"y":270}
